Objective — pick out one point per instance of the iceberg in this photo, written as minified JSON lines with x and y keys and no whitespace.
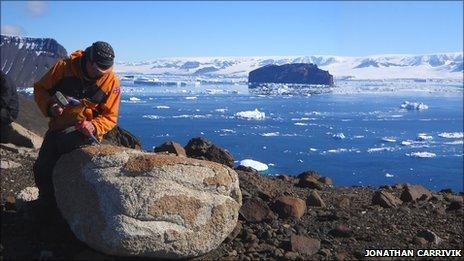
{"x":251,"y":115}
{"x":452,"y":135}
{"x":388,"y":175}
{"x":254,"y":164}
{"x":134,"y":99}
{"x":406,"y":142}
{"x":414,"y":106}
{"x":162,"y":107}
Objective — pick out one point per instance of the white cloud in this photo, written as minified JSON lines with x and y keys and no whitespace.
{"x":9,"y":29}
{"x":36,"y":8}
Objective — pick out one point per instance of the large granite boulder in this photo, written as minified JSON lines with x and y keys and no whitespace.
{"x":130,"y":203}
{"x":201,"y":148}
{"x":294,"y":73}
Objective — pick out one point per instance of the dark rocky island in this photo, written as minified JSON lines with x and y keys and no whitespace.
{"x":26,"y":59}
{"x":295,"y":73}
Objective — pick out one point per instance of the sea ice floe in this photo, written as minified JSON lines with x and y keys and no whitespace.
{"x":414,"y":106}
{"x":424,"y":137}
{"x":388,"y":175}
{"x":300,"y":124}
{"x":134,"y":99}
{"x":312,"y":149}
{"x":193,"y":116}
{"x":251,"y":115}
{"x":191,"y":98}
{"x":337,"y":150}
{"x":452,"y":135}
{"x":358,"y":136}
{"x":259,"y":166}
{"x":151,"y":117}
{"x":220,"y":110}
{"x":456,"y":142}
{"x":270,"y":134}
{"x":406,"y":142}
{"x":162,"y":107}
{"x":421,"y":154}
{"x":389,"y":139}
{"x":339,"y":136}
{"x":370,"y":150}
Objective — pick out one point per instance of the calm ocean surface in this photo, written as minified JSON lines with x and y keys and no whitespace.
{"x":354,"y":138}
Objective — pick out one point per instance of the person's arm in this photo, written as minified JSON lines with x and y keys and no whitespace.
{"x":108,"y":117}
{"x":42,"y":98}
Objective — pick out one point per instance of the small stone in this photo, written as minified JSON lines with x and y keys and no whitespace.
{"x":455,"y":205}
{"x":340,"y":256}
{"x":344,"y":202}
{"x":341,"y":231}
{"x":420,"y":241}
{"x":430,"y":236}
{"x":290,"y":255}
{"x":325,"y":252}
{"x":278,"y":252}
{"x":315,"y":200}
{"x":171,"y":147}
{"x":305,"y":245}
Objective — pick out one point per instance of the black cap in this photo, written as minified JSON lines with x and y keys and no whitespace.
{"x":102,"y":54}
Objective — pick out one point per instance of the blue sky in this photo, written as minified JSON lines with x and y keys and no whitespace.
{"x":147,"y":30}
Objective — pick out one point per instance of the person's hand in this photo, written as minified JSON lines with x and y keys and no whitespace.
{"x":86,"y":127}
{"x":55,"y":110}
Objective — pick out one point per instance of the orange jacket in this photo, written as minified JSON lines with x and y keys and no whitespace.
{"x":100,"y":98}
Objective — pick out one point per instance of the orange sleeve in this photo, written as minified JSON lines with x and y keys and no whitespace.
{"x":108,"y":117}
{"x":41,"y":87}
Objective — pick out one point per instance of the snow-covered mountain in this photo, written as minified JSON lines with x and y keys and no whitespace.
{"x":442,"y":66}
{"x":26,"y":59}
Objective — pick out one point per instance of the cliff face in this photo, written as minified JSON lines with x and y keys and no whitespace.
{"x":27,"y":59}
{"x":295,"y":73}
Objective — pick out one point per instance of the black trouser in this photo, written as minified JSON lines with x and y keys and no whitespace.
{"x":55,"y":144}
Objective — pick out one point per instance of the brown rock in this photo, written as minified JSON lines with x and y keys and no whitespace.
{"x":309,"y":173}
{"x":121,"y":137}
{"x":290,"y":207}
{"x":305,"y":245}
{"x":201,"y":148}
{"x":254,"y":210}
{"x":171,"y":147}
{"x":315,"y":200}
{"x":310,"y":182}
{"x":326,"y":181}
{"x":414,"y":192}
{"x":342,"y":255}
{"x":284,"y":178}
{"x":385,"y":199}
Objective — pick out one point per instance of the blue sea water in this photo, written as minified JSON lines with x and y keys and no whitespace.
{"x":302,"y":133}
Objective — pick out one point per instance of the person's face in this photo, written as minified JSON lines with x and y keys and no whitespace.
{"x":94,"y":72}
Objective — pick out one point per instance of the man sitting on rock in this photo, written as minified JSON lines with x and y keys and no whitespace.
{"x":87,"y":81}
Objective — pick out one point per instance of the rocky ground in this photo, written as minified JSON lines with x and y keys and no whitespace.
{"x":282,"y":217}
